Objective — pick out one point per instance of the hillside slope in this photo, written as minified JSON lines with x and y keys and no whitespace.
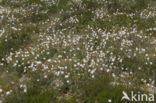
{"x":76,"y":51}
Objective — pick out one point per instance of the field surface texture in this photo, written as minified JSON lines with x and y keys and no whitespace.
{"x":77,"y":51}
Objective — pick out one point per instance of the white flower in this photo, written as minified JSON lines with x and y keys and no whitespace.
{"x":93,"y":76}
{"x":67,"y":81}
{"x":101,"y":68}
{"x":1,"y":90}
{"x":38,"y":62}
{"x":113,"y":59}
{"x":49,"y":60}
{"x":45,"y":76}
{"x":2,"y":32}
{"x":66,"y":76}
{"x":25,"y":90}
{"x":62,"y":72}
{"x":14,"y":28}
{"x":113,"y":74}
{"x":108,"y":70}
{"x":8,"y":92}
{"x":110,"y":101}
{"x":120,"y":60}
{"x":148,"y":84}
{"x":92,"y":72}
{"x":134,"y":54}
{"x":139,"y":68}
{"x":131,"y":73}
{"x":38,"y":80}
{"x":59,"y":56}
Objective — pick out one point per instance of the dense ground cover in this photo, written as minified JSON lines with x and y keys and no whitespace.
{"x":76,"y":51}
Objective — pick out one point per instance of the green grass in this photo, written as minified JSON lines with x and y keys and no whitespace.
{"x":100,"y":90}
{"x":34,"y":95}
{"x":16,"y":39}
{"x":81,"y":88}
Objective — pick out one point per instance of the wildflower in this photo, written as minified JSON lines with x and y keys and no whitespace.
{"x":8,"y":92}
{"x":25,"y":90}
{"x":93,"y":76}
{"x":45,"y":76}
{"x":108,"y":70}
{"x":14,"y":28}
{"x":2,"y":32}
{"x":110,"y":101}
{"x":49,"y":60}
{"x":139,"y":68}
{"x":67,"y":81}
{"x":1,"y":90}
{"x":113,"y":74}
{"x":101,"y":69}
{"x":92,"y":72}
{"x":66,"y":76}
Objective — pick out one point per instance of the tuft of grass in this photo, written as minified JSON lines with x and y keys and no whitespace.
{"x":33,"y":95}
{"x":38,"y":95}
{"x":100,"y":90}
{"x":16,"y":39}
{"x":127,"y":5}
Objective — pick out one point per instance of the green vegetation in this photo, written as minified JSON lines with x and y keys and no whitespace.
{"x":76,"y":51}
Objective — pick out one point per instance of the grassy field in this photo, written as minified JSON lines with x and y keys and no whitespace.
{"x":76,"y":51}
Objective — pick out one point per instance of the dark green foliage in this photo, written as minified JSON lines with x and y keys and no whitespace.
{"x":92,"y":4}
{"x":35,"y":1}
{"x":126,"y":5}
{"x":16,"y":39}
{"x":34,"y":95}
{"x":100,"y":90}
{"x":38,"y":95}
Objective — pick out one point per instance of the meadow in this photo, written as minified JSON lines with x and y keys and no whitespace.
{"x":76,"y":51}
